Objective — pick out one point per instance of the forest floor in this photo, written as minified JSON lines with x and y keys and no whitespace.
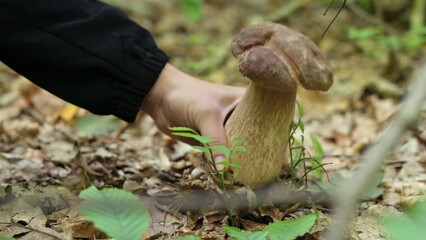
{"x":51,"y":150}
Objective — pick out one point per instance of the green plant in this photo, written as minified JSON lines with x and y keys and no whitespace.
{"x":409,"y":226}
{"x":298,"y":152}
{"x":375,"y":42}
{"x":284,"y":230}
{"x":207,"y":149}
{"x":192,"y":8}
{"x":116,"y":212}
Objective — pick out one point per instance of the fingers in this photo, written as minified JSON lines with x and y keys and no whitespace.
{"x":212,"y":126}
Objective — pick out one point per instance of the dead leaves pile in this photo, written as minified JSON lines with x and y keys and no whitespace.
{"x":44,"y":162}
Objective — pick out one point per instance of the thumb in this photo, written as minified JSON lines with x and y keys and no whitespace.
{"x":213,"y":127}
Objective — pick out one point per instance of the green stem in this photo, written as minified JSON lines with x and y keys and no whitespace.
{"x":417,"y":17}
{"x":217,"y":172}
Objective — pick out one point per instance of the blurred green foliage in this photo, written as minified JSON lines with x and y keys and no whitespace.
{"x":409,"y":226}
{"x":96,"y":125}
{"x":193,"y":9}
{"x":375,"y":42}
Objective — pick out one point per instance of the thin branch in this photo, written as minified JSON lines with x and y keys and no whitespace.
{"x":335,"y":17}
{"x":374,"y":157}
{"x":328,"y":8}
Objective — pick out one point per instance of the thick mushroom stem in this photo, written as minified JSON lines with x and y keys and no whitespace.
{"x":263,"y":118}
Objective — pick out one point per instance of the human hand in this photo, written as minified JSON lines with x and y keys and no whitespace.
{"x":177,"y":99}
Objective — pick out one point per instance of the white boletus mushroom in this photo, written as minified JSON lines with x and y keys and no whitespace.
{"x":276,"y":59}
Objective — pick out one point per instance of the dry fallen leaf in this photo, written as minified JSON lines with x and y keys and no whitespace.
{"x":61,"y":151}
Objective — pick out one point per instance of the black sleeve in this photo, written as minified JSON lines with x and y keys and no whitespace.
{"x":83,"y":51}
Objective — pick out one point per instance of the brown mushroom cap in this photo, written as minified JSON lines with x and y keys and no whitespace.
{"x":275,"y":56}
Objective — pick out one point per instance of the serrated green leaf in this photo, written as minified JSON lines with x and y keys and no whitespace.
{"x":238,"y":140}
{"x":118,"y":213}
{"x":291,"y":229}
{"x":239,"y":234}
{"x":96,"y":125}
{"x":222,"y":149}
{"x":202,"y":149}
{"x":188,"y":238}
{"x":183,"y":129}
{"x":240,"y":149}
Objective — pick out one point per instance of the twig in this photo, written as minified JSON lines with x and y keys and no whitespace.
{"x":335,"y":17}
{"x":30,"y":228}
{"x":374,"y":157}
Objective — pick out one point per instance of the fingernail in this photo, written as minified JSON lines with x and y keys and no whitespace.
{"x":217,"y":160}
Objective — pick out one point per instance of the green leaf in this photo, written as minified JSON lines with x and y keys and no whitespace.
{"x":418,"y":212}
{"x":96,"y":125}
{"x":199,"y":138}
{"x":238,"y":140}
{"x":230,"y":164}
{"x":202,"y":149}
{"x":319,"y":151}
{"x":192,"y":8}
{"x":7,"y":238}
{"x":240,"y":149}
{"x":185,"y":134}
{"x":316,"y":160}
{"x":188,"y":238}
{"x":410,"y":226}
{"x":118,"y":213}
{"x":333,"y":185}
{"x":291,"y":229}
{"x":375,"y":190}
{"x":302,"y":126}
{"x":316,"y":167}
{"x":285,"y":230}
{"x":222,"y":149}
{"x":203,"y":139}
{"x":403,"y":228}
{"x":183,"y":129}
{"x":239,"y":234}
{"x":299,"y":108}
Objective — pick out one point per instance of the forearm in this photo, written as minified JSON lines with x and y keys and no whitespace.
{"x":85,"y":52}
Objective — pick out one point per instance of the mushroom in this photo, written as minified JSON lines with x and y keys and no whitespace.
{"x":276,"y":59}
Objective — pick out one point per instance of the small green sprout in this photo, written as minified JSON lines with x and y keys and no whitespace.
{"x":207,"y":149}
{"x":298,"y":152}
